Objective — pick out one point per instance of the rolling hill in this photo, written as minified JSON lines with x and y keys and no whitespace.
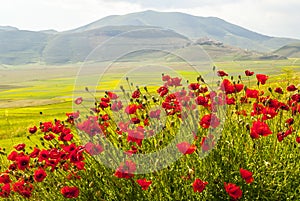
{"x":195,"y":27}
{"x":135,"y":36}
{"x":290,"y":50}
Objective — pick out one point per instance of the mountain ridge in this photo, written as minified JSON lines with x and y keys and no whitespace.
{"x":143,"y":29}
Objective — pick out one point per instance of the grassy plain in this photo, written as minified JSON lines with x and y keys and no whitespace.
{"x":33,"y":93}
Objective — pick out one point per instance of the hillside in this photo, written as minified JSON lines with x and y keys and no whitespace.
{"x":135,"y":35}
{"x":291,"y":50}
{"x":195,"y":27}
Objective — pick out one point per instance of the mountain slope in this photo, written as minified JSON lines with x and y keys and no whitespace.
{"x":291,"y":50}
{"x":195,"y":27}
{"x":17,"y":46}
{"x":109,"y":43}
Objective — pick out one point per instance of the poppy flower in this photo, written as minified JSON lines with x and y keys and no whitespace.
{"x":209,"y":120}
{"x":23,"y":162}
{"x":136,"y":136}
{"x":279,"y":90}
{"x":298,"y":139}
{"x":5,"y":190}
{"x":78,"y":100}
{"x":32,"y":130}
{"x":39,"y":175}
{"x":252,"y":93}
{"x":23,"y":188}
{"x":155,"y":114}
{"x":162,"y":91}
{"x":259,"y":128}
{"x":233,"y":190}
{"x":165,"y":78}
{"x":34,"y":153}
{"x":4,"y":178}
{"x":221,"y":73}
{"x":249,"y":73}
{"x":126,"y":170}
{"x":199,"y":185}
{"x":176,"y":81}
{"x":200,"y":100}
{"x":291,"y":88}
{"x":70,"y":191}
{"x":136,"y":94}
{"x":261,"y":78}
{"x":246,"y":175}
{"x":93,"y":149}
{"x":20,"y":147}
{"x":194,"y":86}
{"x":116,"y":106}
{"x":131,"y":109}
{"x":112,"y":95}
{"x":144,"y":183}
{"x":186,"y":148}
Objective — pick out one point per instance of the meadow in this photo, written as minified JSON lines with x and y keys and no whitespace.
{"x":253,"y":167}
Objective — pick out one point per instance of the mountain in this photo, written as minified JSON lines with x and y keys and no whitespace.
{"x":136,"y":36}
{"x":109,"y":43}
{"x":21,"y":47}
{"x":290,"y":50}
{"x":195,"y":27}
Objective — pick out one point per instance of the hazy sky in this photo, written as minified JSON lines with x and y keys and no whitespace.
{"x":270,"y":17}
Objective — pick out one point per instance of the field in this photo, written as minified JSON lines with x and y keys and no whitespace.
{"x":32,"y":94}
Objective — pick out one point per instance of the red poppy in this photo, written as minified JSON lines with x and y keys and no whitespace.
{"x":34,"y":153}
{"x":12,"y":156}
{"x":136,"y":94}
{"x":186,"y":148}
{"x":194,"y":86}
{"x":131,"y":109}
{"x":246,"y":175}
{"x":298,"y":139}
{"x":32,"y":130}
{"x":78,"y":101}
{"x":23,"y":162}
{"x":23,"y":188}
{"x":144,"y":183}
{"x":103,"y":104}
{"x":4,"y":178}
{"x":209,"y":120}
{"x":176,"y":81}
{"x":126,"y":170}
{"x":252,"y":93}
{"x":165,"y":78}
{"x":249,"y":73}
{"x":112,"y":95}
{"x":201,"y":100}
{"x":261,"y":78}
{"x":93,"y":149}
{"x":116,"y":106}
{"x":162,"y":91}
{"x":70,"y":191}
{"x":20,"y":147}
{"x":221,"y":73}
{"x":199,"y":185}
{"x":155,"y":114}
{"x":291,"y":88}
{"x":279,"y":90}
{"x":136,"y":136}
{"x":233,"y":190}
{"x":259,"y":128}
{"x":39,"y":175}
{"x":5,"y":190}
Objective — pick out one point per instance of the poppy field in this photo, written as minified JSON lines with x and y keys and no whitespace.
{"x":236,"y":138}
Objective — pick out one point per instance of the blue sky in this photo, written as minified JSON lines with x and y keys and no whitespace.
{"x":270,"y":17}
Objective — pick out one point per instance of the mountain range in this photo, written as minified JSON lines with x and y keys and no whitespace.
{"x":140,"y":32}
